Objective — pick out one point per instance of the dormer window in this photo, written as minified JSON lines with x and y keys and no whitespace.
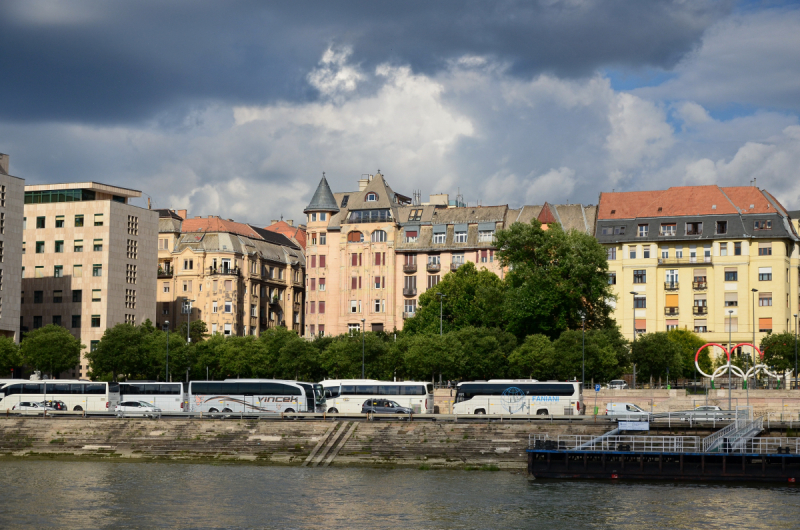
{"x":762,"y":225}
{"x":372,"y":197}
{"x":694,"y":229}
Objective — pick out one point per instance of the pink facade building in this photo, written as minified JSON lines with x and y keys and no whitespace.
{"x":370,"y":253}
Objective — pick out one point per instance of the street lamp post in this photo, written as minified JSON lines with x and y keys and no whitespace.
{"x":746,"y":363}
{"x":795,"y":350}
{"x":730,"y":319}
{"x":188,"y":320}
{"x":583,"y":352}
{"x":362,"y":347}
{"x":634,"y":333}
{"x":441,"y":298}
{"x":166,"y":328}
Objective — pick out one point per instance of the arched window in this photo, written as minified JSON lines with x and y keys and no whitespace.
{"x":355,"y":237}
{"x":378,"y":236}
{"x":372,"y":196}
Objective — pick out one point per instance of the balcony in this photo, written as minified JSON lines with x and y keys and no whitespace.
{"x":274,"y":301}
{"x":226,"y":271}
{"x":407,"y":291}
{"x":671,"y":311}
{"x":434,"y":267}
{"x":454,"y":266}
{"x":671,"y":286}
{"x":700,"y":286}
{"x":164,"y":273}
{"x":410,"y":268}
{"x":700,"y":310}
{"x":407,"y":315}
{"x":684,"y":261}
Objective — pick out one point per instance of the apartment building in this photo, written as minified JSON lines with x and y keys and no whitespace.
{"x":239,"y":279}
{"x":88,"y":260}
{"x":705,"y":258}
{"x":371,"y":253}
{"x":12,"y":191}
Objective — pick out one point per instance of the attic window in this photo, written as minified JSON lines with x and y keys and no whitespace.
{"x":660,"y":208}
{"x":372,"y":197}
{"x":344,"y":201}
{"x":613,"y":212}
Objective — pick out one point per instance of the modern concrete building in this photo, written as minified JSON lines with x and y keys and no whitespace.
{"x":12,"y":191}
{"x":240,"y":279}
{"x":703,"y":258}
{"x":89,"y":260}
{"x":372,"y":252}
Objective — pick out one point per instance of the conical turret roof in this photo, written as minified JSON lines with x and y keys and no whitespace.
{"x":323,"y":199}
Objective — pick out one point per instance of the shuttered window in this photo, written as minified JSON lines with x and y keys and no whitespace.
{"x":764,"y":324}
{"x":672,"y":300}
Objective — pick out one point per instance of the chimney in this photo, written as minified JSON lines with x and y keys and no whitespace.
{"x":362,"y":183}
{"x":4,"y":163}
{"x":273,"y":221}
{"x":290,"y":222}
{"x":183,"y":214}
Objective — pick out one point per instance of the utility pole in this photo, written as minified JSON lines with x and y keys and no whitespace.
{"x":754,"y":348}
{"x":166,"y":328}
{"x":188,"y":320}
{"x":634,"y":337}
{"x":441,"y":297}
{"x":362,"y":347}
{"x":795,"y":351}
{"x":730,"y":344}
{"x":583,"y":348}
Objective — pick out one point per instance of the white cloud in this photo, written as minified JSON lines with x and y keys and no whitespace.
{"x":334,"y":75}
{"x":639,"y":133}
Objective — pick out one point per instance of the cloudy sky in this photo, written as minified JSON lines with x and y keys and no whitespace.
{"x":236,"y":108}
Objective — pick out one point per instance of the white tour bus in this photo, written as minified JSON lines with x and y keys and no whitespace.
{"x":348,"y":395}
{"x":169,"y":397}
{"x":255,"y":395}
{"x":77,"y":395}
{"x":519,"y":396}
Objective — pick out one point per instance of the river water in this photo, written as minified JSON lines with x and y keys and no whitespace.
{"x":44,"y":494}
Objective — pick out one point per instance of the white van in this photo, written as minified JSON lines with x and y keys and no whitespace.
{"x":627,"y":411}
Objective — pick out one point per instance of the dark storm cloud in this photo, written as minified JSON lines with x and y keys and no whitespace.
{"x":110,"y":62}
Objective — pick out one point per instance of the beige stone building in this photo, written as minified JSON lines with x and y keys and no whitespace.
{"x":12,"y":190}
{"x":88,"y":260}
{"x":239,"y":279}
{"x":372,"y":252}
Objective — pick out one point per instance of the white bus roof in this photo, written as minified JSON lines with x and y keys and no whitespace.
{"x":334,"y":382}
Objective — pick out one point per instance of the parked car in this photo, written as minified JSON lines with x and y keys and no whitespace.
{"x":56,"y":404}
{"x":138,"y":408}
{"x":702,"y":413}
{"x":383,"y":406}
{"x":627,"y":411}
{"x":35,"y":406}
{"x":617,"y":384}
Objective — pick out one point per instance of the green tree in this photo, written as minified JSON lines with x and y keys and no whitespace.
{"x":471,"y":298}
{"x":51,"y":349}
{"x":689,"y":342}
{"x":199,"y":331}
{"x":9,"y":355}
{"x":120,"y":352}
{"x":555,"y":278}
{"x":605,"y":355}
{"x":653,"y":353}
{"x":534,"y":358}
{"x":426,"y":356}
{"x":778,"y":350}
{"x":342,"y":357}
{"x":482,"y":353}
{"x":207,"y":359}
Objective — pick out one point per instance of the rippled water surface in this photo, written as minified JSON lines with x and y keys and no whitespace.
{"x":41,"y":494}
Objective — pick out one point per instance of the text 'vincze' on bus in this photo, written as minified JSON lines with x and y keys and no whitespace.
{"x":169,"y":397}
{"x":348,"y":395}
{"x":76,"y":395}
{"x":255,"y":395}
{"x":519,"y":396}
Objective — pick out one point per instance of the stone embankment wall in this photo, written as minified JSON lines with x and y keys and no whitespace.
{"x":315,"y":443}
{"x":775,"y":402}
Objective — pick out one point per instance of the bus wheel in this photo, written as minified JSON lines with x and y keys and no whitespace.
{"x":541,"y":412}
{"x":480,"y":411}
{"x":287,"y":412}
{"x":227,"y":411}
{"x":212,"y":412}
{"x":78,"y":408}
{"x":333,"y":411}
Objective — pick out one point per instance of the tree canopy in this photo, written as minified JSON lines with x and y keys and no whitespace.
{"x":51,"y":349}
{"x":9,"y":355}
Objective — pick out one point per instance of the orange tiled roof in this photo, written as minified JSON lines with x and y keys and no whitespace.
{"x":296,"y":232}
{"x":683,"y":201}
{"x":217,"y":224}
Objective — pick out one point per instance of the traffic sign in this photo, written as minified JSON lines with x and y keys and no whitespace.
{"x":597,"y":388}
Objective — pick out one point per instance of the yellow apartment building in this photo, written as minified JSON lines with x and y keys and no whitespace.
{"x":371,"y":253}
{"x":88,"y":260}
{"x":714,"y":260}
{"x":239,"y":279}
{"x":12,"y":191}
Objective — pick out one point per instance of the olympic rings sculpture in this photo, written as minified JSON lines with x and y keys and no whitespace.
{"x":734,"y":369}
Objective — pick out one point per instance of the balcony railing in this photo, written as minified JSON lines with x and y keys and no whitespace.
{"x":684,"y":261}
{"x":410,"y":267}
{"x":700,"y":309}
{"x":409,"y":291}
{"x":164,"y":273}
{"x":230,"y":271}
{"x":700,"y":286}
{"x":455,"y":266}
{"x":407,"y":315}
{"x":671,"y":311}
{"x":434,"y":267}
{"x":671,"y":286}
